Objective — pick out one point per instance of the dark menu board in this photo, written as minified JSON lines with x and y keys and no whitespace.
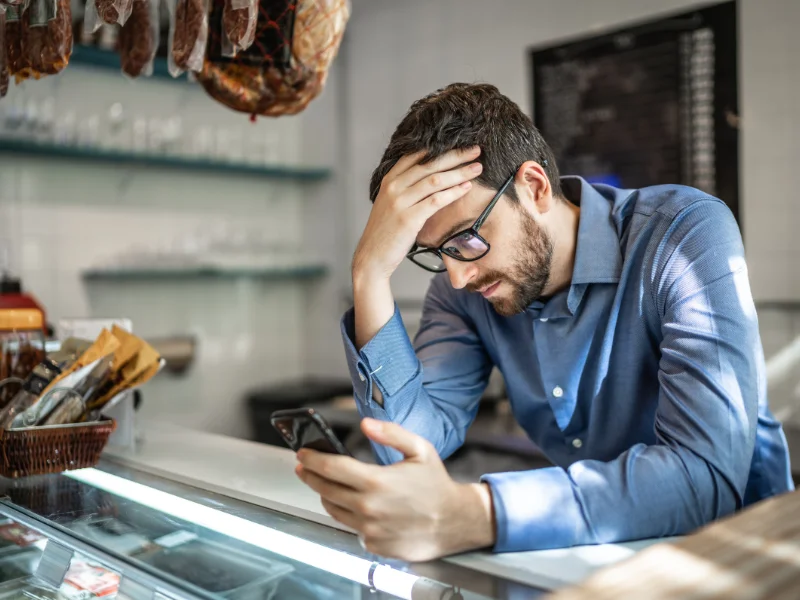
{"x":653,"y":104}
{"x":615,"y":118}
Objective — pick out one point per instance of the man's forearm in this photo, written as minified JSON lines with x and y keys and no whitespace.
{"x":373,"y":304}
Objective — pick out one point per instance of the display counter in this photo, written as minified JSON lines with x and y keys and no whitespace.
{"x":193,"y":515}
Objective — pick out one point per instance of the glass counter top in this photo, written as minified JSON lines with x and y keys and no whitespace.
{"x":167,"y":538}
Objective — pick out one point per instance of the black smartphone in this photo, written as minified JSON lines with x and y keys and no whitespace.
{"x":305,"y":428}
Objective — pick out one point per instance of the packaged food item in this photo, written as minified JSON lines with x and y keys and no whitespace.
{"x":81,"y":383}
{"x":41,"y":11}
{"x":17,"y":62}
{"x":105,"y":345}
{"x":71,"y":349}
{"x":188,"y":35}
{"x":47,"y":37}
{"x":86,"y":579}
{"x":113,"y":12}
{"x":286,"y":67}
{"x":91,"y":22}
{"x":239,"y":19}
{"x":3,"y":53}
{"x":42,"y":376}
{"x":138,"y":39}
{"x":131,"y":370}
{"x":18,"y":534}
{"x":69,"y":410}
{"x":21,"y":347}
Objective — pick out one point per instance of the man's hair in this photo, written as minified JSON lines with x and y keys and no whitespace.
{"x":463,"y":115}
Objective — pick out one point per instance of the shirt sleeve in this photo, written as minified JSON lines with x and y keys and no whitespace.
{"x":431,"y":388}
{"x":710,"y":371}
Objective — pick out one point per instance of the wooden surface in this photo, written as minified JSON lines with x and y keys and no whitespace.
{"x":752,"y":555}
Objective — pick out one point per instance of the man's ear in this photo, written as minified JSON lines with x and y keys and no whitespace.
{"x":534,"y":188}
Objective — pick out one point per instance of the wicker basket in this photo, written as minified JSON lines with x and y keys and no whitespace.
{"x":52,"y":448}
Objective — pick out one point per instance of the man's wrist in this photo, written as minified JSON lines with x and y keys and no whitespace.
{"x":477,"y":523}
{"x":486,"y":529}
{"x":363,"y":277}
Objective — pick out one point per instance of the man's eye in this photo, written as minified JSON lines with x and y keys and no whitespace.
{"x":452,"y":251}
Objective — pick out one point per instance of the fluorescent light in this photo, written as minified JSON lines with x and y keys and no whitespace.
{"x":385,"y":578}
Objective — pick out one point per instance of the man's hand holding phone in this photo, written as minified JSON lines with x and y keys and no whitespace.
{"x":411,"y":510}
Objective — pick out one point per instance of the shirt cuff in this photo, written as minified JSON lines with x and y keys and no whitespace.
{"x":388,"y":359}
{"x":536,"y":510}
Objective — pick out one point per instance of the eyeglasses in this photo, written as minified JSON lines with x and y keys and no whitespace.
{"x":466,"y":245}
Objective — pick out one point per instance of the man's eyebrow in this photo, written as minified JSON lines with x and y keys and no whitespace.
{"x":454,"y":229}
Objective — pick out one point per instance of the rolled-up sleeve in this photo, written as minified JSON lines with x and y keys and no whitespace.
{"x":710,"y":371}
{"x":432,"y":388}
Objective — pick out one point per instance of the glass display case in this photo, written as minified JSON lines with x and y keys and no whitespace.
{"x":112,"y":532}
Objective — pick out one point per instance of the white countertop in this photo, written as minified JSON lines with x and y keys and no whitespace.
{"x":264,"y":475}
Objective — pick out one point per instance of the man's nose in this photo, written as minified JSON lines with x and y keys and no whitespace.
{"x":460,"y":272}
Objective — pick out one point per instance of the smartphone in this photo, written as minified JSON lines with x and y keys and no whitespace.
{"x":305,"y":428}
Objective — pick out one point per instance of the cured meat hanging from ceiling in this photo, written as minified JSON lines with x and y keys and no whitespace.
{"x":258,"y":57}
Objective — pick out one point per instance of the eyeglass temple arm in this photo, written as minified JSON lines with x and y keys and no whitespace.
{"x":479,"y":221}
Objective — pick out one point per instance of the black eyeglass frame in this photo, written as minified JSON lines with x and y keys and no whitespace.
{"x":472,"y":230}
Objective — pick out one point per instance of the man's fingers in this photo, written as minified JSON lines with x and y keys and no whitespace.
{"x":344,"y":516}
{"x":441,"y":181}
{"x":404,"y":164}
{"x":334,"y":493}
{"x":394,"y":436}
{"x":344,"y":470}
{"x":446,"y":162}
{"x":424,"y":210}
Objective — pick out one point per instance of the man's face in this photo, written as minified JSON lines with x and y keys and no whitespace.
{"x":516,"y":270}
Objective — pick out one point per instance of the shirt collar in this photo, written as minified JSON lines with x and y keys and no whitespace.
{"x":598,"y":258}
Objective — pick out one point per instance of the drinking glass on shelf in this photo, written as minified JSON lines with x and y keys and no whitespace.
{"x":173,"y":135}
{"x":203,"y":142}
{"x":47,"y":115}
{"x":155,"y":135}
{"x":65,"y":128}
{"x":89,"y":131}
{"x":139,"y":134}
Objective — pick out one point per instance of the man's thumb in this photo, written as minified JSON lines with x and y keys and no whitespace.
{"x":394,"y":436}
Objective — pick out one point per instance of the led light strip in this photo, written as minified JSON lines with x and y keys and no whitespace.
{"x":384,"y":578}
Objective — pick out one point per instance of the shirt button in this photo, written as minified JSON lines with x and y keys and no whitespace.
{"x":558,"y":392}
{"x":543,"y":320}
{"x":577,"y":443}
{"x":361,"y":377}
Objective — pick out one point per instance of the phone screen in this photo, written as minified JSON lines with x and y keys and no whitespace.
{"x":309,"y":435}
{"x":304,"y":432}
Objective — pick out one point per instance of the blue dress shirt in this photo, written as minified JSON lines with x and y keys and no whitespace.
{"x":643,"y":382}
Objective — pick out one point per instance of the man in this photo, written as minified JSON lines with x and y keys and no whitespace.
{"x":621,"y":320}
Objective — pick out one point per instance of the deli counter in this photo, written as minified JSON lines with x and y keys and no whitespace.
{"x":192,"y":515}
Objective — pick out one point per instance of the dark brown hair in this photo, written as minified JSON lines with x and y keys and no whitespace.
{"x":463,"y":115}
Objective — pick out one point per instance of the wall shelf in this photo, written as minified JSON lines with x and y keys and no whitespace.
{"x":206,"y":272}
{"x":120,"y":158}
{"x":91,"y":56}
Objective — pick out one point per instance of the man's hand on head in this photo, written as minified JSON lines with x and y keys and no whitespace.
{"x":411,"y":510}
{"x":410,"y":194}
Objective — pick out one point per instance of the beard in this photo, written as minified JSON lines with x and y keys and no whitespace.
{"x":529,"y":273}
